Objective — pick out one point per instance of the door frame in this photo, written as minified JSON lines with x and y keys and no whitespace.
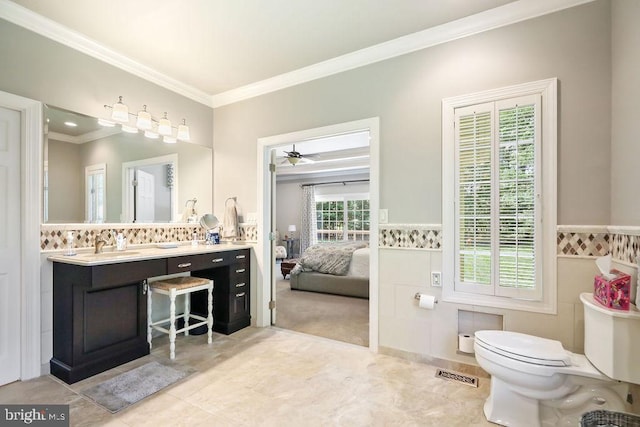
{"x":31,"y":136}
{"x":264,"y":254}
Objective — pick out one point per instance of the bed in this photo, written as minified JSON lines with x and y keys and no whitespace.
{"x":334,"y":268}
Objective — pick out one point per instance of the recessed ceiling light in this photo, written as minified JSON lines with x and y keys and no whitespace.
{"x":70,"y":124}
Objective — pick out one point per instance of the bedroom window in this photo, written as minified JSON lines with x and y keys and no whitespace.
{"x":499,"y":207}
{"x":341,"y":218}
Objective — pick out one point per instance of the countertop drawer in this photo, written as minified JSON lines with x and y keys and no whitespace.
{"x":199,"y":262}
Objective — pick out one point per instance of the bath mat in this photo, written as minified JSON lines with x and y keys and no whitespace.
{"x":130,"y":387}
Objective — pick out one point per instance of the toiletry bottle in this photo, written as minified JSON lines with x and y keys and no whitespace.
{"x":121,"y":242}
{"x":194,"y":240}
{"x":70,"y":249}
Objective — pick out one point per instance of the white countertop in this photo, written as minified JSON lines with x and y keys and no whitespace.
{"x":87,"y":257}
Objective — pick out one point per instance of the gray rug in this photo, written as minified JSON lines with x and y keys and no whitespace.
{"x":130,"y":387}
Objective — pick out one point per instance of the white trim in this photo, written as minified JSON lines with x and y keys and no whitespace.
{"x":548,"y":89}
{"x":498,"y":17}
{"x":263,"y":249}
{"x":491,"y":19}
{"x":624,"y":229}
{"x":436,"y":227}
{"x":46,"y":27}
{"x":584,"y":228}
{"x":31,"y":180}
{"x":401,"y":248}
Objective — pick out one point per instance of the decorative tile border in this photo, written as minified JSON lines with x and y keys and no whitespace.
{"x":410,"y":236}
{"x":54,"y":236}
{"x":583,"y":243}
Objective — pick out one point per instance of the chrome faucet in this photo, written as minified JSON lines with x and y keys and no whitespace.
{"x":99,"y":243}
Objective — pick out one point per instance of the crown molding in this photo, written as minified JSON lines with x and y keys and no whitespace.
{"x":501,"y":16}
{"x":39,"y":24}
{"x":508,"y":14}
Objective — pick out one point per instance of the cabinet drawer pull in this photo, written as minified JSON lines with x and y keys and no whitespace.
{"x":241,"y":294}
{"x":242,"y":270}
{"x":240,"y":256}
{"x":217,"y":260}
{"x":239,"y":285}
{"x":184,"y":265}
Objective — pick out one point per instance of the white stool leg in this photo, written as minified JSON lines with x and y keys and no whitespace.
{"x":187,"y":311}
{"x":172,"y":325}
{"x":209,"y":313}
{"x":149,"y":317}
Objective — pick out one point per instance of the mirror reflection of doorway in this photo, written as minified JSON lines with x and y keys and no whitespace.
{"x":150,"y":190}
{"x":95,"y":197}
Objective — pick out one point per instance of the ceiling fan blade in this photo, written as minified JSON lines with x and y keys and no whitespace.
{"x":305,"y":159}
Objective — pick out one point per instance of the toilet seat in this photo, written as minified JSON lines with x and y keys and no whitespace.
{"x":524,"y":348}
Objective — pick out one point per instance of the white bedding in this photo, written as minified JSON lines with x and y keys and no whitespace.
{"x":359,"y":266}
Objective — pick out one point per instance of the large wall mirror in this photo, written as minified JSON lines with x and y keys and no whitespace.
{"x":97,"y":174}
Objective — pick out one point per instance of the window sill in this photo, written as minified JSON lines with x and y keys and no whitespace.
{"x":543,"y":307}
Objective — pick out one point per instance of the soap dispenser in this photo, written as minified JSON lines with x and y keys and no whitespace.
{"x":70,"y":250}
{"x":121,"y":242}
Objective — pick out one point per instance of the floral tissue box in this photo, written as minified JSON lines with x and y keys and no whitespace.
{"x":613,"y":293}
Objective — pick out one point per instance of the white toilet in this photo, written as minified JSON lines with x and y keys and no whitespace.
{"x":536,"y":382}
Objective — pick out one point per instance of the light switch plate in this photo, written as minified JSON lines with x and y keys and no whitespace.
{"x":436,"y":279}
{"x":383,"y":216}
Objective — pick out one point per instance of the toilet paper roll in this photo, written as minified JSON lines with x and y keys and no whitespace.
{"x":427,"y":301}
{"x":465,"y":343}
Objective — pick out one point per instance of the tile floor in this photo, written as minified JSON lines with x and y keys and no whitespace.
{"x":274,"y":377}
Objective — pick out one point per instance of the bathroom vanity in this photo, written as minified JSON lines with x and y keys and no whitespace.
{"x":100,"y":301}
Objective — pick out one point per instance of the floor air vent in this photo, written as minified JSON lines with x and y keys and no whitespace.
{"x":457,"y":377}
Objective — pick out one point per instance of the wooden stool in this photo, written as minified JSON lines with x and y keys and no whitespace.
{"x":174,"y":287}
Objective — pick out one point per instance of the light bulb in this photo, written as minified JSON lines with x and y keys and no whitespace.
{"x":120,"y":112}
{"x":164,"y":126}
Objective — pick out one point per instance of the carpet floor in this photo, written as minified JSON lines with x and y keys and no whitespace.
{"x":330,"y":316}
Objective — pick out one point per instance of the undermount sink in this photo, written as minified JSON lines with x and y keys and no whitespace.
{"x":118,"y":254}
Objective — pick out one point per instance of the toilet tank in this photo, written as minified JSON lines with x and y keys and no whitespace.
{"x":612,"y":339}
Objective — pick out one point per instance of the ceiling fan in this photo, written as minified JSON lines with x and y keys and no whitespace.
{"x":294,"y":157}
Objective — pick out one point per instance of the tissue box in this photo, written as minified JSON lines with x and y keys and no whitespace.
{"x":614,"y":293}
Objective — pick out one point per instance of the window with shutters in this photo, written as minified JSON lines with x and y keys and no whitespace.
{"x":499,"y":191}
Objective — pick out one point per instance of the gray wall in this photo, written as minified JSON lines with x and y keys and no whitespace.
{"x":406,"y":93}
{"x":625,"y":144}
{"x":573,"y":45}
{"x":41,"y":69}
{"x":66,"y":178}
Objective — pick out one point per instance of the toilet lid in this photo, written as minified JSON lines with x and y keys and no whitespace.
{"x":526,"y":348}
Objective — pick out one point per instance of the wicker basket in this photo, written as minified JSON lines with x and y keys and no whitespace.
{"x":609,"y":419}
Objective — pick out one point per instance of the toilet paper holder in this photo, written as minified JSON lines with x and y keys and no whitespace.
{"x":417,"y":297}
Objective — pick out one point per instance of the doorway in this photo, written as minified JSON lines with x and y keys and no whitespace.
{"x":20,"y":262}
{"x":267,"y":290}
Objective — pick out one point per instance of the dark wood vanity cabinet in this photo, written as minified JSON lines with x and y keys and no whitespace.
{"x":99,"y":316}
{"x":100,"y":311}
{"x":231,"y":292}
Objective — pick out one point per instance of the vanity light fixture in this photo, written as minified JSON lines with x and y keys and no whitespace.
{"x":129,"y":129}
{"x":120,"y":112}
{"x":106,"y":123}
{"x":144,"y":121}
{"x":164,"y":126}
{"x":150,"y":134}
{"x":183,"y":131}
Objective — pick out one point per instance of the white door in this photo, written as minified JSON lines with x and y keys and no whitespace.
{"x":9,"y":246}
{"x":145,"y":197}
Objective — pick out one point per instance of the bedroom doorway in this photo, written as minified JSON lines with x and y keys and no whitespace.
{"x":319,"y":164}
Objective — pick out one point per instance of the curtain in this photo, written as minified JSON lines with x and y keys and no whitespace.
{"x":308,"y":232}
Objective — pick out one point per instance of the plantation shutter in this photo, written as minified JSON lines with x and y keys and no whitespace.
{"x":497,"y":205}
